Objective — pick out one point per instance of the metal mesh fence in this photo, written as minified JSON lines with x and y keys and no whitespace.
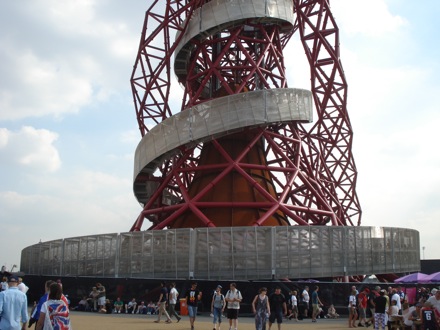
{"x":225,"y":253}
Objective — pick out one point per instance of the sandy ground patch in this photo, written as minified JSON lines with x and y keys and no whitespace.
{"x":94,"y":321}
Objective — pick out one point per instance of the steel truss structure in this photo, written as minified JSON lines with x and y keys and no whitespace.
{"x":264,"y":172}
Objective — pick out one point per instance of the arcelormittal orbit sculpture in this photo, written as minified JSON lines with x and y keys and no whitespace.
{"x":253,"y":179}
{"x":242,"y":149}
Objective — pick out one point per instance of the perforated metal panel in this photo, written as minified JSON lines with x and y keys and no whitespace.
{"x":224,"y":253}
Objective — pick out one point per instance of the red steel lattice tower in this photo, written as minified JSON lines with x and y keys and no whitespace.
{"x":240,"y":149}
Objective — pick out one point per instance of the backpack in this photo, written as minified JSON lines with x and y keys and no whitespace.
{"x":238,"y":294}
{"x":222,"y":299}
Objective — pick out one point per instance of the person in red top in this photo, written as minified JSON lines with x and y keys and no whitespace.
{"x":362,"y":307}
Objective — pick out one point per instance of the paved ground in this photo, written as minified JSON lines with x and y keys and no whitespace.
{"x":94,"y":321}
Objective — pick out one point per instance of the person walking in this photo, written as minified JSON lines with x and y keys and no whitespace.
{"x":54,"y":313}
{"x":35,"y":315}
{"x":278,"y":307}
{"x":294,"y":305}
{"x":21,"y":286}
{"x":362,"y":307}
{"x":371,"y":306}
{"x":261,"y":309}
{"x":162,"y":303}
{"x":316,"y":303}
{"x":380,"y":304}
{"x":193,"y":296}
{"x":352,"y":312}
{"x":13,"y":307}
{"x":233,"y":298}
{"x":172,"y":301}
{"x":305,"y":298}
{"x":218,"y":305}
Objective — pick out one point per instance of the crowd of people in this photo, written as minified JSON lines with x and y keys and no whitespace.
{"x":378,"y":307}
{"x":51,"y":312}
{"x":390,"y":308}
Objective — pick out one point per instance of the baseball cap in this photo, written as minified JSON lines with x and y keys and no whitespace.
{"x":433,"y":291}
{"x":219,"y":286}
{"x":13,"y":278}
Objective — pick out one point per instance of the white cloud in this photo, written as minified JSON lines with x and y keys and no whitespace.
{"x":86,"y":203}
{"x":132,"y":137}
{"x":73,"y":56}
{"x":43,"y":88}
{"x":4,"y":137}
{"x":371,"y":18}
{"x":30,"y":148}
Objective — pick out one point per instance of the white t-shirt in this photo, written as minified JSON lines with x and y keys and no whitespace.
{"x":294,"y":301}
{"x":396,"y":297}
{"x":406,"y":314}
{"x":23,"y":287}
{"x":435,"y":303}
{"x":306,"y":296}
{"x":394,"y":310}
{"x":5,"y":286}
{"x":352,"y":300}
{"x":233,"y":295}
{"x":173,"y":296}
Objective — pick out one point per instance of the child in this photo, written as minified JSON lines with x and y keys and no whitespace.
{"x":331,"y":313}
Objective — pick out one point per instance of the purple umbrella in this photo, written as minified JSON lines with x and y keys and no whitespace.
{"x":308,"y":281}
{"x":433,"y":278}
{"x":411,"y":278}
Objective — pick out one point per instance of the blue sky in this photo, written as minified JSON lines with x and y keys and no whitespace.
{"x":68,"y":129}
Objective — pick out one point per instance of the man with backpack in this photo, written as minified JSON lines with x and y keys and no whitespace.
{"x":233,"y":298}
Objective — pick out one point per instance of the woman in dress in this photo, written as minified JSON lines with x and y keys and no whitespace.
{"x":261,"y":309}
{"x":54,"y":312}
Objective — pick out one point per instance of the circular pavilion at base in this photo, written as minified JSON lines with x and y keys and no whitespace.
{"x":229,"y":253}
